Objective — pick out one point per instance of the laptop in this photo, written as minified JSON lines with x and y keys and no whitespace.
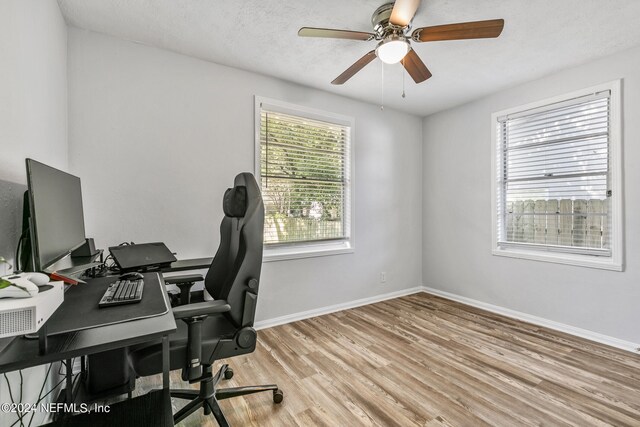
{"x":145,"y":255}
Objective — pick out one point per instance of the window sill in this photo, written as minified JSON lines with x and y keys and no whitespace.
{"x":306,"y":251}
{"x":604,"y":263}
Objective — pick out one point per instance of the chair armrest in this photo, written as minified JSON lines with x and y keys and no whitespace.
{"x":193,"y":315}
{"x":186,"y":278}
{"x":200,"y":309}
{"x":184,"y":282}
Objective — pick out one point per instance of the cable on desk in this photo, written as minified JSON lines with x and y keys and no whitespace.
{"x":19,"y":249}
{"x":64,"y":363}
{"x":13,"y":402}
{"x":21,"y":417}
{"x":107,"y":266}
{"x":73,"y":384}
{"x":21,"y":383}
{"x":46,"y":377}
{"x":40,"y":399}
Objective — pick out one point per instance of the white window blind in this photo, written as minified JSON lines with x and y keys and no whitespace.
{"x":553,"y":189}
{"x":304,"y":172}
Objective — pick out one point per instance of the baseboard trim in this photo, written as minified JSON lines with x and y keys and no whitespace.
{"x":263,"y":324}
{"x":540,"y":321}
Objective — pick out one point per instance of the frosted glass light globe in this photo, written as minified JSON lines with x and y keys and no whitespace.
{"x":392,"y":49}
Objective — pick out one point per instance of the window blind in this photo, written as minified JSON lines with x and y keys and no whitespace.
{"x":304,"y":169}
{"x":553,"y":191}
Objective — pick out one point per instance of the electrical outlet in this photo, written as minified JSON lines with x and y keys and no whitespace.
{"x":383,"y":277}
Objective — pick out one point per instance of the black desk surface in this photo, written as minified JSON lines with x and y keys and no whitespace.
{"x":22,"y":353}
{"x":8,"y":345}
{"x":83,"y":299}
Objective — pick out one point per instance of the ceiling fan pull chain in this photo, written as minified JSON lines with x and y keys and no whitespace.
{"x":382,"y":87}
{"x":403,"y":73}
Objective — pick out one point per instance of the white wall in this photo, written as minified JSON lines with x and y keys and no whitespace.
{"x":457,"y":213}
{"x":33,"y":86}
{"x":157,"y":137}
{"x":33,"y":123}
{"x":33,"y":106}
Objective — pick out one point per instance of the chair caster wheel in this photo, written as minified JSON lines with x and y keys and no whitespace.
{"x":228,"y":374}
{"x":278,"y":396}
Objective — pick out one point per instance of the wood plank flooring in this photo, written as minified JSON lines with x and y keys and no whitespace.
{"x":422,"y":360}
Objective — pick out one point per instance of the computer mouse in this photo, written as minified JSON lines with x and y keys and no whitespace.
{"x":18,"y":287}
{"x":131,"y":276}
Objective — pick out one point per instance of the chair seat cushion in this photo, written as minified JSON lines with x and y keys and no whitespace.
{"x":146,"y":358}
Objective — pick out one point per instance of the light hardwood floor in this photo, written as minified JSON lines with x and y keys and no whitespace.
{"x":421,"y":360}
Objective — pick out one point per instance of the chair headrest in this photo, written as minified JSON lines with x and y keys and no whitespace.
{"x":234,"y":203}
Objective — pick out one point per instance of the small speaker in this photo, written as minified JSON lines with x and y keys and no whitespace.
{"x":87,"y":249}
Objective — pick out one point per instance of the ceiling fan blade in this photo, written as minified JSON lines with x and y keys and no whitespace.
{"x":415,"y":67}
{"x":335,"y":34}
{"x":403,"y":12}
{"x":357,"y":66}
{"x":464,"y":30}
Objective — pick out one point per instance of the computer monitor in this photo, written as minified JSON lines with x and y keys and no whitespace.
{"x":56,"y":217}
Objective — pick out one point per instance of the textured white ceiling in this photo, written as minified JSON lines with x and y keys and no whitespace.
{"x":540,"y":37}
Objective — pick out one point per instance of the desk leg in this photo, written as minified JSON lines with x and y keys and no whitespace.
{"x":165,"y":382}
{"x":165,"y":362}
{"x":42,"y":339}
{"x":83,"y":367}
{"x":69,"y":377}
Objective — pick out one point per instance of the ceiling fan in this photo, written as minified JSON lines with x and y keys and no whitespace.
{"x":391,"y":24}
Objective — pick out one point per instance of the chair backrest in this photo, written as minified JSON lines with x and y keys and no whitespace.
{"x":235,"y":269}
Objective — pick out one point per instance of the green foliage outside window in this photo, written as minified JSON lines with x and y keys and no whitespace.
{"x":303,"y":170}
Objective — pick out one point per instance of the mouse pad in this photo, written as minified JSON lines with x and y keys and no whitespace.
{"x":80,"y":307}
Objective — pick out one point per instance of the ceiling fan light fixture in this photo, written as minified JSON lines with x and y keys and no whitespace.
{"x":392,"y":49}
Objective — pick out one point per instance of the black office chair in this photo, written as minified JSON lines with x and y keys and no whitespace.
{"x":221,"y":328}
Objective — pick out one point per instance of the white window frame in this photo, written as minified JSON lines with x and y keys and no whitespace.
{"x":310,"y":249}
{"x":616,"y":260}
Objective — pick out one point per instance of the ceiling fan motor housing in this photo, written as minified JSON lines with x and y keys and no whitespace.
{"x":381,"y":25}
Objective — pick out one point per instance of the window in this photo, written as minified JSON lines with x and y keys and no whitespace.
{"x":557,"y":190}
{"x":303,"y":161}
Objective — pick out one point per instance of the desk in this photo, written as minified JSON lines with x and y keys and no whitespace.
{"x":22,"y":353}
